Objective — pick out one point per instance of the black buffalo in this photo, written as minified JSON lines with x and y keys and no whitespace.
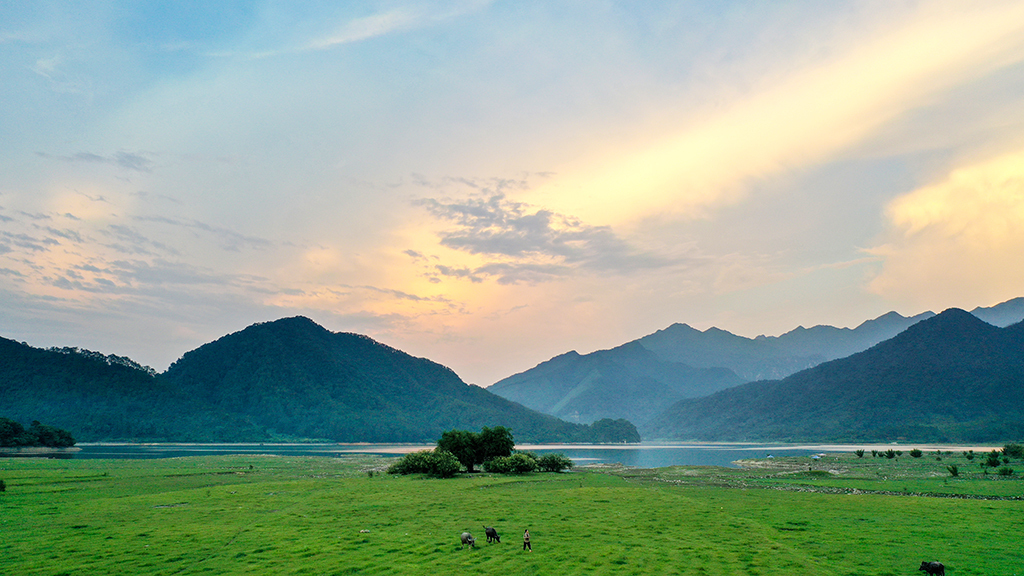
{"x":933,"y":568}
{"x":492,"y":534}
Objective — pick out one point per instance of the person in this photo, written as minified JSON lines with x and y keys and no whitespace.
{"x":526,"y":540}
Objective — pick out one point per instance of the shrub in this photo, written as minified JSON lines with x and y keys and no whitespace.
{"x":859,"y":453}
{"x":915,"y":453}
{"x":1014,"y":451}
{"x":969,"y":455}
{"x":890,"y":453}
{"x":438,"y":463}
{"x":953,"y":470}
{"x":3,"y":486}
{"x":518,"y":463}
{"x":1006,"y":471}
{"x":992,"y":459}
{"x":554,"y":462}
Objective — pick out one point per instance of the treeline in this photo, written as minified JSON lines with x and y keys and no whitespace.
{"x":14,"y":435}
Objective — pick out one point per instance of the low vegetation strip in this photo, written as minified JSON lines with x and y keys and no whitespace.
{"x":297,"y":515}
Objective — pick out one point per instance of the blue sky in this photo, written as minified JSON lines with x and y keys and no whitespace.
{"x":490,"y":184}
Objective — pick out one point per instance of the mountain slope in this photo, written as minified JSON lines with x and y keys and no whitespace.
{"x":296,"y":377}
{"x":949,"y":378}
{"x":627,"y":382}
{"x":95,"y":397}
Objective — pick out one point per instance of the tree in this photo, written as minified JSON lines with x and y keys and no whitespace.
{"x":495,"y":443}
{"x":465,"y":445}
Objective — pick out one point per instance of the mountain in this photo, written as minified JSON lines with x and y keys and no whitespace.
{"x":771,"y":357}
{"x":293,"y":376}
{"x":284,"y":380}
{"x":1009,"y":312}
{"x":640,"y":379}
{"x":628,"y":382}
{"x":950,"y":378}
{"x":96,"y":397}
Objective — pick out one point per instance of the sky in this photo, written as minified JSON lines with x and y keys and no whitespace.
{"x":489,"y":184}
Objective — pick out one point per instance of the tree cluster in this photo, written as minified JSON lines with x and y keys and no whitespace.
{"x":14,"y":435}
{"x":494,"y":448}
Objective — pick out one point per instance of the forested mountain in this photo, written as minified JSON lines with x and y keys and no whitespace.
{"x":95,"y":396}
{"x":284,"y":380}
{"x":628,"y":382}
{"x":950,"y":378}
{"x":295,"y":377}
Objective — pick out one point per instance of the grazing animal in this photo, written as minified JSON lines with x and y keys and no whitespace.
{"x":933,"y":568}
{"x":467,"y":538}
{"x":492,"y":534}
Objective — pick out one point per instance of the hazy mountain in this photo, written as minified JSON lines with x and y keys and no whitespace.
{"x":627,"y":382}
{"x":771,"y":357}
{"x":284,"y":380}
{"x":950,"y":378}
{"x":1005,"y":314}
{"x":642,"y":378}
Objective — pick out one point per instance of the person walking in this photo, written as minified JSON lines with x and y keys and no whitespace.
{"x":526,"y":540}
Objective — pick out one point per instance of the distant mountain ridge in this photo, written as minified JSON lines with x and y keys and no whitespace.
{"x":289,"y":379}
{"x":950,"y":378}
{"x":642,"y":378}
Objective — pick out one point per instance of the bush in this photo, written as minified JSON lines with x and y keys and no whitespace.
{"x":3,"y":486}
{"x":554,"y":462}
{"x":953,"y":470}
{"x":1014,"y":451}
{"x":859,"y":453}
{"x":969,"y":455}
{"x":1006,"y":471}
{"x":915,"y":453}
{"x":992,"y":459}
{"x":433,"y":462}
{"x":518,"y":463}
{"x":890,"y":453}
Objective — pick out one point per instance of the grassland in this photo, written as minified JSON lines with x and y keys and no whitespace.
{"x":840,"y":515}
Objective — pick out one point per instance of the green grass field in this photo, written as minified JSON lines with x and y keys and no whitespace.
{"x":279,"y":515}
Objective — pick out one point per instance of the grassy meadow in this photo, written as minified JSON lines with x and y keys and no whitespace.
{"x":839,"y":515}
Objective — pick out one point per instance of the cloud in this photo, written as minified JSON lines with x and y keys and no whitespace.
{"x":959,"y":241}
{"x":128,"y":160}
{"x":793,"y":120}
{"x":229,"y":239}
{"x":521,"y":243}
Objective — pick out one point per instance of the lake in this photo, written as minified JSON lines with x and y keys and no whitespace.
{"x":640,"y":456}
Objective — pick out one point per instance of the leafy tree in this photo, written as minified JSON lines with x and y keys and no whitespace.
{"x":495,"y":443}
{"x":465,"y":445}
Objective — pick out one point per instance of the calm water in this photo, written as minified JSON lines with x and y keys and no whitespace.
{"x":642,"y":456}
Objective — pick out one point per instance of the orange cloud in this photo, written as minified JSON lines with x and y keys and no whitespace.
{"x":959,"y":240}
{"x":804,"y":119}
